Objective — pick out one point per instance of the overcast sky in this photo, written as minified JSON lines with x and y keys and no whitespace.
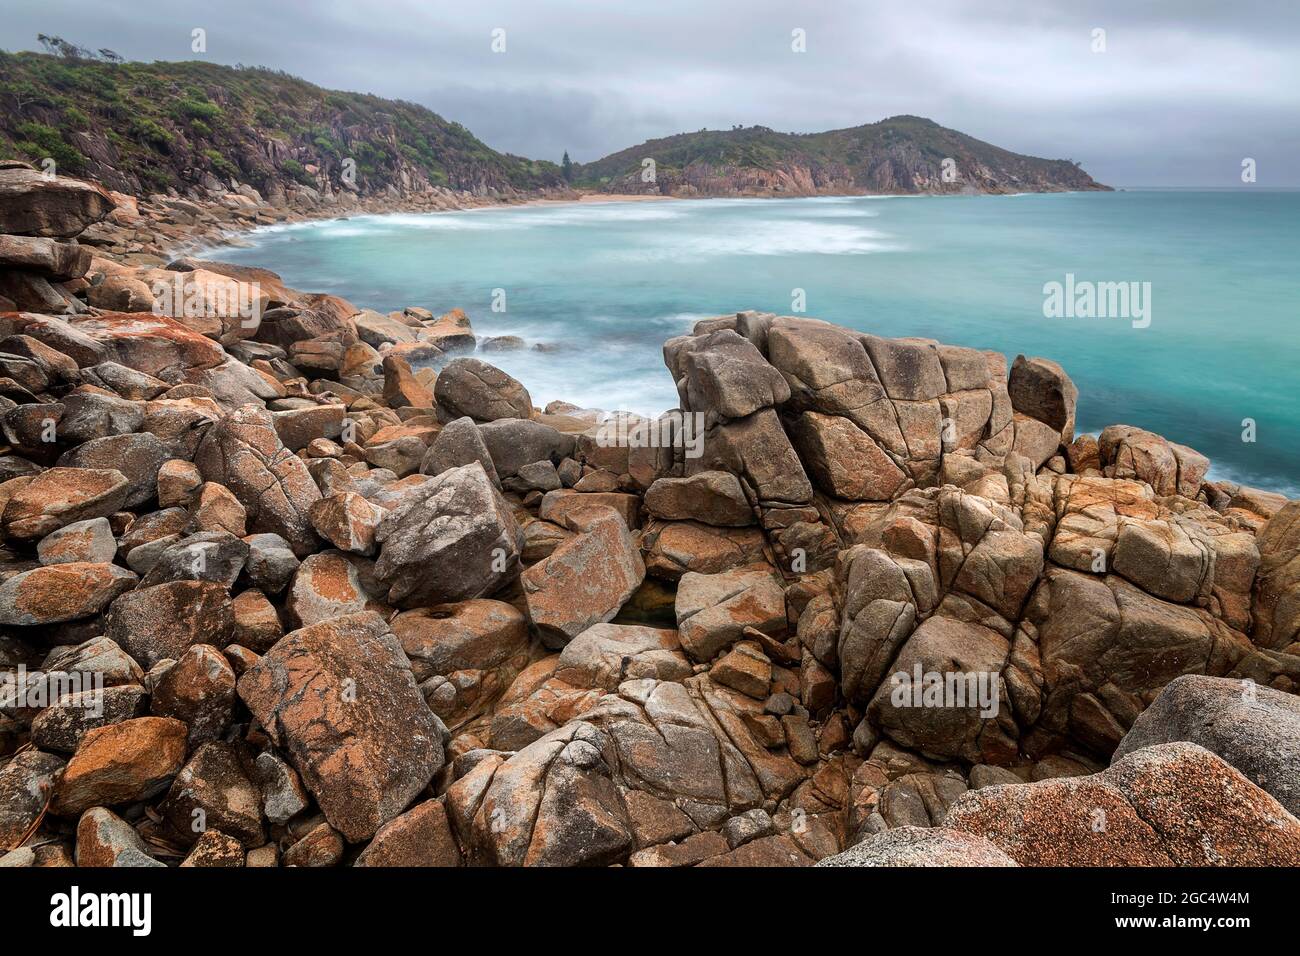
{"x":1183,"y":92}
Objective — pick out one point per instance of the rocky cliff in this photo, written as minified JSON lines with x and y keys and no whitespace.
{"x":143,"y":128}
{"x":902,"y":154}
{"x":326,"y":582}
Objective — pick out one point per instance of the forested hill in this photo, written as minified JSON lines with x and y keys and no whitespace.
{"x":145,"y":127}
{"x":902,"y":154}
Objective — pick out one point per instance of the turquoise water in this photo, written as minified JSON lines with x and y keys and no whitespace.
{"x":606,"y":284}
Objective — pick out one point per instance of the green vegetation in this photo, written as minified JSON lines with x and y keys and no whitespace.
{"x":857,"y":153}
{"x":148,"y":126}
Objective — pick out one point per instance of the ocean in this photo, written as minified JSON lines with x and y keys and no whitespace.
{"x":1194,"y":332}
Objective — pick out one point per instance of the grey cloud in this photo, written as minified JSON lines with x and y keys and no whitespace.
{"x":1183,"y":92}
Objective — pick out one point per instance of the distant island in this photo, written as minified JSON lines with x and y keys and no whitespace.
{"x":196,"y":128}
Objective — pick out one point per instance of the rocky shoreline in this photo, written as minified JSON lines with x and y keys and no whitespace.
{"x":288,"y":582}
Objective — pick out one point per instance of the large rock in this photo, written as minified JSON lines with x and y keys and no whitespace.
{"x":26,"y":781}
{"x":419,"y":837}
{"x":725,"y":374}
{"x":244,"y":453}
{"x":1256,"y":729}
{"x":165,"y":620}
{"x":757,"y":450}
{"x":1169,"y":468}
{"x":60,"y":496}
{"x":59,"y":261}
{"x":469,"y":635}
{"x":62,"y":592}
{"x":945,"y":697}
{"x":33,"y":204}
{"x":514,"y":443}
{"x":586,"y":580}
{"x":138,"y":456}
{"x":121,"y":763}
{"x":449,"y":539}
{"x":711,"y":497}
{"x":332,"y":583}
{"x":713,"y":610}
{"x":459,"y":443}
{"x":605,"y":655}
{"x":213,"y":791}
{"x":1276,"y":604}
{"x":340,"y":700}
{"x":468,"y":386}
{"x":921,"y":846}
{"x":843,"y":459}
{"x":1040,"y":389}
{"x":1170,"y":805}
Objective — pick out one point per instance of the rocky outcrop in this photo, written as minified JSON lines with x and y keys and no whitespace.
{"x":351,"y":606}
